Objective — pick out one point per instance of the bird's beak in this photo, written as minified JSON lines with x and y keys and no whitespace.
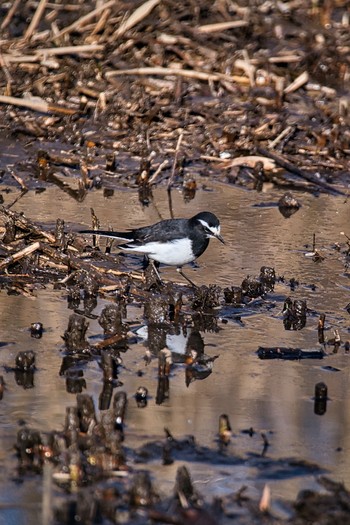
{"x":218,"y":236}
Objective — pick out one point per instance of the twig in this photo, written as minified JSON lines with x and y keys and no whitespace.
{"x":159,"y":169}
{"x":36,"y":19}
{"x":249,"y":160}
{"x":176,"y":156}
{"x":101,"y":22}
{"x":19,"y":180}
{"x":28,"y":250}
{"x":9,"y":79}
{"x":112,"y":340}
{"x":70,"y":50}
{"x":249,"y":67}
{"x":23,"y":192}
{"x":84,"y":19}
{"x":284,"y":163}
{"x":25,"y":224}
{"x":221,"y":26}
{"x":37,"y":105}
{"x":139,"y":14}
{"x":297,"y":83}
{"x":288,"y":59}
{"x":53,"y":51}
{"x":278,"y":139}
{"x":6,"y":21}
{"x":164,"y":71}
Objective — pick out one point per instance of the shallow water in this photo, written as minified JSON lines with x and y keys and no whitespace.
{"x":274,"y":397}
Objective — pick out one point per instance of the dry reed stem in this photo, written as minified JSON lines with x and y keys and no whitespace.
{"x":137,"y":16}
{"x":157,"y":172}
{"x":28,"y":250}
{"x":20,"y":181}
{"x":273,"y":143}
{"x":221,"y":26}
{"x":37,"y":105}
{"x":36,"y":19}
{"x":84,"y":19}
{"x":6,"y":21}
{"x":176,"y":156}
{"x":297,"y":83}
{"x":249,"y":160}
{"x":187,"y":73}
{"x":53,"y":51}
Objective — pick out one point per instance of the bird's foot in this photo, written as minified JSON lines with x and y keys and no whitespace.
{"x":179,"y":270}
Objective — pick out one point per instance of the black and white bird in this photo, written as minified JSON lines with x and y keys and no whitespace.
{"x":174,"y":242}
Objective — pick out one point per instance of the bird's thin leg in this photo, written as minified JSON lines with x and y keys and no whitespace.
{"x":146,"y":262}
{"x":179,"y":270}
{"x":154,"y":265}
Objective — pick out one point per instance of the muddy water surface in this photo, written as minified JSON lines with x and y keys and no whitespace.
{"x":273,"y":397}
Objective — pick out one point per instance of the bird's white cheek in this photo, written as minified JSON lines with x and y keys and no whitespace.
{"x":215,"y":231}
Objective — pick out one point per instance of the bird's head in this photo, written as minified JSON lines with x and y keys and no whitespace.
{"x":210,"y":224}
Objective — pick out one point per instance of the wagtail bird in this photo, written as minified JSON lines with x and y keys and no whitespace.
{"x":174,"y":242}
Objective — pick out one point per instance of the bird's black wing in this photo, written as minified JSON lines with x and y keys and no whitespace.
{"x":163,"y":231}
{"x":167,"y":230}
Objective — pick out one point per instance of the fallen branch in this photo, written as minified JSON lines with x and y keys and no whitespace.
{"x":249,"y":160}
{"x":284,"y":163}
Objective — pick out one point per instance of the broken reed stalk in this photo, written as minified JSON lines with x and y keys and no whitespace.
{"x":36,"y":19}
{"x":70,"y":50}
{"x":187,"y":73}
{"x":221,"y":26}
{"x":284,"y":163}
{"x":37,"y":105}
{"x":20,"y":181}
{"x":176,"y":156}
{"x":277,"y":140}
{"x":7,"y":20}
{"x":25,"y":224}
{"x":42,"y":53}
{"x":302,"y":79}
{"x":137,"y":16}
{"x":28,"y":250}
{"x":84,"y":19}
{"x":249,"y":160}
{"x":158,"y":170}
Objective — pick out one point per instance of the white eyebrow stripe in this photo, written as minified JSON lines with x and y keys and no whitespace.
{"x":214,"y":229}
{"x":205,"y":224}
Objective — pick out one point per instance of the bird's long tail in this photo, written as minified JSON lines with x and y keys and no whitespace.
{"x":126,"y":236}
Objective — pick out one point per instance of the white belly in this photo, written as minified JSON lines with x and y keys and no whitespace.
{"x":177,"y":253}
